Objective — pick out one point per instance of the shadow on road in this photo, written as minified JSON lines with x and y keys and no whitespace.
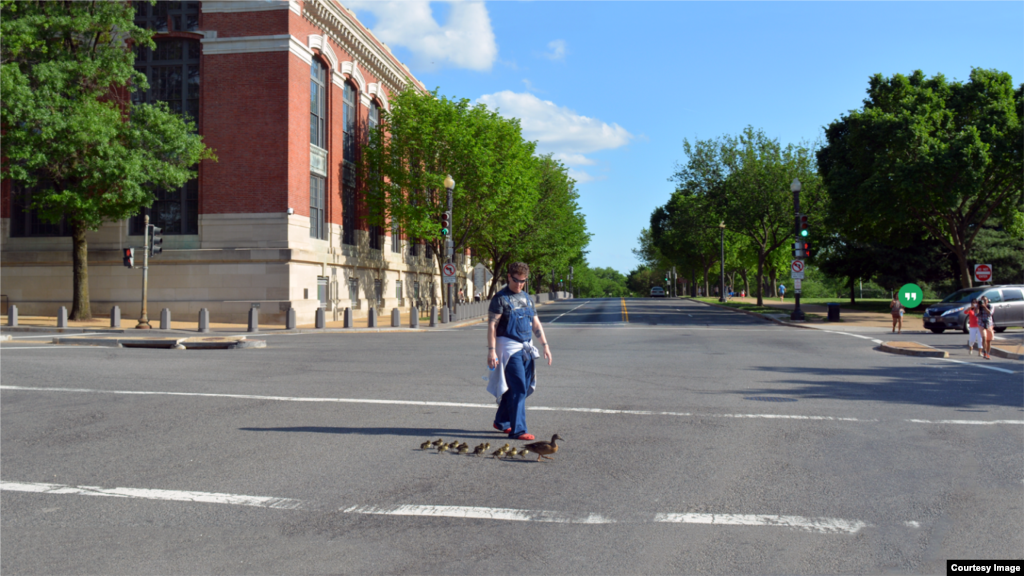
{"x":424,"y":432}
{"x":931,"y":385}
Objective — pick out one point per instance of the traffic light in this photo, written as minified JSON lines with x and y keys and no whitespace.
{"x":804,"y":228}
{"x":156,"y":245}
{"x":446,"y":223}
{"x":129,"y":257}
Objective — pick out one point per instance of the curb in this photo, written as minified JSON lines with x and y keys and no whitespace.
{"x":930,"y":353}
{"x":187,"y":343}
{"x":999,"y":352}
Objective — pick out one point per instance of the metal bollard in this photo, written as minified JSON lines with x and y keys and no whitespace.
{"x":289,"y":319}
{"x":433,"y":316}
{"x":347,"y":318}
{"x":396,"y":318}
{"x":165,"y":319}
{"x":115,"y":317}
{"x":254,"y":319}
{"x":414,"y":317}
{"x":204,"y":320}
{"x":445,"y":315}
{"x":12,"y":315}
{"x":62,"y":317}
{"x":321,"y":318}
{"x":371,"y":322}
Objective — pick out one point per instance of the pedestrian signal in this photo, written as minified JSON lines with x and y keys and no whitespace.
{"x":129,"y":257}
{"x":156,"y":245}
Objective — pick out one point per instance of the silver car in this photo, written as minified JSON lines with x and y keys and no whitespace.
{"x":1007,"y":308}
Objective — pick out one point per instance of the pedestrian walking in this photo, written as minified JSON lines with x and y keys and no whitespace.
{"x":782,"y":292}
{"x":987,"y":326}
{"x":511,"y":319}
{"x":896,"y":310}
{"x":975,"y":332}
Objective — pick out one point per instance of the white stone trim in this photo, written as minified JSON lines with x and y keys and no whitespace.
{"x":254,"y":44}
{"x":364,"y":99}
{"x":317,"y":41}
{"x":352,"y":70}
{"x":221,"y":6}
{"x":377,"y":90}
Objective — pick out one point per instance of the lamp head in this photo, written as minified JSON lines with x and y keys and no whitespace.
{"x":449,"y":183}
{"x":795,"y":186}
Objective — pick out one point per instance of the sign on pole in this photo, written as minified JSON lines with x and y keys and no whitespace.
{"x":796,"y":269}
{"x":982,"y":272}
{"x":796,"y":284}
{"x":448,"y":273}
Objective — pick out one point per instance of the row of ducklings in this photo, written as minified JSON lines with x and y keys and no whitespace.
{"x":505,"y":451}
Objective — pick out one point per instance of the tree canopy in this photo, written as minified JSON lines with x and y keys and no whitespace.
{"x":71,"y":133}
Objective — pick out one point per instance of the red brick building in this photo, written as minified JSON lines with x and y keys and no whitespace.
{"x":283,"y":92}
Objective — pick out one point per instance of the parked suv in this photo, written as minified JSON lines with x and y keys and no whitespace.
{"x":1007,"y":304}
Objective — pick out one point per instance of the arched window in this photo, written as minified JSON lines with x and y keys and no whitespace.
{"x":372,"y":121}
{"x":318,"y":140}
{"x":172,"y":69}
{"x":348,"y":166}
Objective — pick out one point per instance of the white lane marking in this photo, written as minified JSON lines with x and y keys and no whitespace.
{"x":62,"y":335}
{"x":564,"y":313}
{"x":876,"y":340}
{"x":431,"y":403}
{"x":972,"y":422}
{"x":152,"y":494}
{"x":823,"y":525}
{"x":997,"y":369}
{"x":510,"y":514}
{"x":54,"y":347}
{"x":912,"y":524}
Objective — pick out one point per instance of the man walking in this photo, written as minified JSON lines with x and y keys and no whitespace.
{"x":510,"y":352}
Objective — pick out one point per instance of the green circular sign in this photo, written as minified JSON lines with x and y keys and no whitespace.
{"x":910,"y":295}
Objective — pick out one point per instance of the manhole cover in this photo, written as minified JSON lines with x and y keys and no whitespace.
{"x":769,"y":399}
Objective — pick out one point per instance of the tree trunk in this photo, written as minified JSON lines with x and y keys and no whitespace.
{"x":693,"y":283}
{"x":746,"y":283}
{"x":81,"y":308}
{"x":853,"y":285}
{"x":707,"y":285}
{"x":773,"y":277}
{"x":760,"y":278}
{"x":966,"y":278}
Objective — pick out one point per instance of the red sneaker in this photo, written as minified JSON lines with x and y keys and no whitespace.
{"x":525,"y":437}
{"x":506,"y":430}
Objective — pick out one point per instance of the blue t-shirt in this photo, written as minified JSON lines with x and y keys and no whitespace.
{"x":782,"y":288}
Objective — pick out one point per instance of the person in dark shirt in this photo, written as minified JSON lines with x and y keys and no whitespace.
{"x":511,"y":324}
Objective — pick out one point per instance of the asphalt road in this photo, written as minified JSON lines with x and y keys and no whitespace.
{"x":697,"y":440}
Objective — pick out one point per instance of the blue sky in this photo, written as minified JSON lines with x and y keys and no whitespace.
{"x":613,"y":88}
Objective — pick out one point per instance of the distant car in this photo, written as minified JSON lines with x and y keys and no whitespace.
{"x":657,"y":292}
{"x":1007,"y":308}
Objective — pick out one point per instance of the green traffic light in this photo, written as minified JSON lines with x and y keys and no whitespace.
{"x":444,"y":231}
{"x":803,"y":232}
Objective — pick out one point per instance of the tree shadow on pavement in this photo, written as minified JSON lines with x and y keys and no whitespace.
{"x":424,"y":432}
{"x":954,"y":386}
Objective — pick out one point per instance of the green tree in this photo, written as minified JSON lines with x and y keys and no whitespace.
{"x":928,"y":155}
{"x":423,"y":139}
{"x":69,"y":128}
{"x":747,"y":181}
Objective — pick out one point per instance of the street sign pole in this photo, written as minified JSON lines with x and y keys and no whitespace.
{"x":144,"y":318}
{"x":797,"y":314}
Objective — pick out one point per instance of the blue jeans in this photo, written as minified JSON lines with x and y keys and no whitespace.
{"x":512,"y":409}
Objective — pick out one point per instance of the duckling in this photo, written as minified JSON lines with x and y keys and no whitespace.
{"x":464,"y":445}
{"x":479,"y":450}
{"x":437,"y":442}
{"x":442,"y":448}
{"x":541,"y":449}
{"x":425,"y":445}
{"x":505,"y":447}
{"x":463,"y":449}
{"x":487,"y":446}
{"x":523,"y":453}
{"x":498,"y":453}
{"x":513,"y":452}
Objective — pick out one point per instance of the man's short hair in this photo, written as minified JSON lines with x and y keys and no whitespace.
{"x":519,"y":269}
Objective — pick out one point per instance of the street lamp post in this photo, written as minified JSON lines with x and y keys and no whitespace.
{"x":797,"y":314}
{"x":721,"y":268}
{"x":449,"y":245}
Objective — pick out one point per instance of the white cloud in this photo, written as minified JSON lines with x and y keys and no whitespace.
{"x":465,"y":41}
{"x":557,"y":50}
{"x":559,"y":130}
